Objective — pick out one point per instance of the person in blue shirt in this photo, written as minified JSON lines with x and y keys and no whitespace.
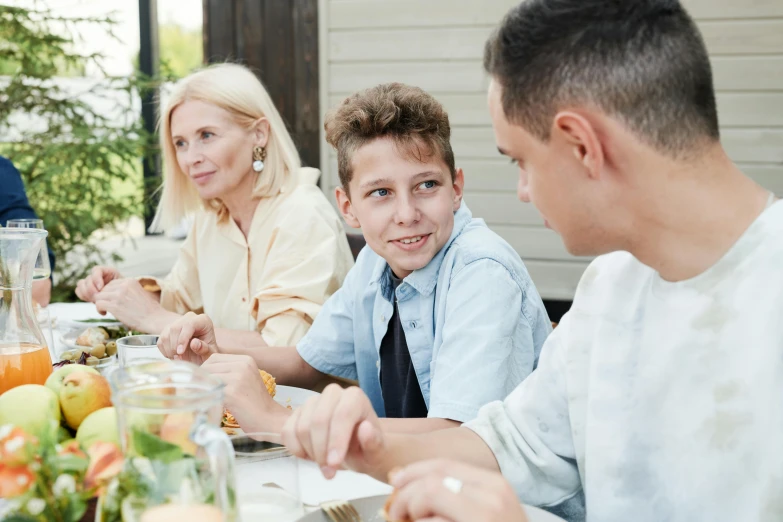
{"x":15,"y":205}
{"x":437,"y":318}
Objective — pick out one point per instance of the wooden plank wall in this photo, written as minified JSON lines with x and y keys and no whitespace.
{"x":438,"y":46}
{"x":278,"y":39}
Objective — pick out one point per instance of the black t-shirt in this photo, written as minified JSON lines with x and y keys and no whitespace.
{"x":399,"y":385}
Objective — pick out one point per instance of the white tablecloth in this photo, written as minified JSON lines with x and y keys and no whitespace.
{"x":313,"y":487}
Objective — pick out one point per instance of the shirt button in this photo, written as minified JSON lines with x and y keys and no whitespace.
{"x":383,"y":318}
{"x":377,"y":364}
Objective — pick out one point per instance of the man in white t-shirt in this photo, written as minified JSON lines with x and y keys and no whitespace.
{"x":660,"y":395}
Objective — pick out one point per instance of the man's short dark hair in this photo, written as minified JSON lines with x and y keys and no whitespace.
{"x":643,"y":62}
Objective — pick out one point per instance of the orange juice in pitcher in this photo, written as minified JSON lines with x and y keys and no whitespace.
{"x":24,"y":356}
{"x":23,"y":363}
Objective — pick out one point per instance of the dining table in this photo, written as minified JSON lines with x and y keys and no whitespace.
{"x":313,"y":489}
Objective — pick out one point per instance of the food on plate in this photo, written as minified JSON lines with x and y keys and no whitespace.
{"x":94,"y":346}
{"x":93,"y":336}
{"x":229,"y":421}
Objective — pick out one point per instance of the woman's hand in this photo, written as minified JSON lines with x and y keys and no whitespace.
{"x":100,"y":276}
{"x":246,"y":396}
{"x":449,"y":491}
{"x":189,"y":338}
{"x":130,"y":304}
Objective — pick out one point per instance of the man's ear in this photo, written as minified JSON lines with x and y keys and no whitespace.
{"x":579,"y":133}
{"x":345,"y":207}
{"x":458,"y":184}
{"x":261,"y":131}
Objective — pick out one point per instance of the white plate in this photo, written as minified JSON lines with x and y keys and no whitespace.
{"x":291,"y":396}
{"x":286,"y":396}
{"x":369,"y":508}
{"x":69,"y":339}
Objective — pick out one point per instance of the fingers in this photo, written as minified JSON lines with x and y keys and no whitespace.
{"x":484,"y":495}
{"x":182,"y":340}
{"x":320,"y":425}
{"x":442,"y":467}
{"x":99,"y":276}
{"x":349,"y":414}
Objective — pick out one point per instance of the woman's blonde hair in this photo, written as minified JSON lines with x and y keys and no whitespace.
{"x":236,"y":89}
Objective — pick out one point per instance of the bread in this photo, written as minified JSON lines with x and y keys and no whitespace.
{"x":92,"y":337}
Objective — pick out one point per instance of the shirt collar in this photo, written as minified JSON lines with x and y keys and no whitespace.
{"x":424,"y":279}
{"x":304,"y":176}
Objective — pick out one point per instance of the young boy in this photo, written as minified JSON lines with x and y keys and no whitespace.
{"x":416,"y":321}
{"x":658,"y":396}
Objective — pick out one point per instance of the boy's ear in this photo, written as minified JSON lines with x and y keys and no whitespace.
{"x":345,"y":207}
{"x":459,"y":185}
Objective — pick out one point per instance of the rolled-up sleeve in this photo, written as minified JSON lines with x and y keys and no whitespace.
{"x":306,"y":263}
{"x":530,"y":432}
{"x":488,"y":346}
{"x":329,"y":344}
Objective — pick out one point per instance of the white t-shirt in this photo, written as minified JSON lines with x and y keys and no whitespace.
{"x":664,"y":401}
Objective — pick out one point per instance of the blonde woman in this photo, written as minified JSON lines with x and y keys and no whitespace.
{"x":266,"y":249}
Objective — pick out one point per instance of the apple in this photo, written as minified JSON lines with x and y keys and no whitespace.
{"x":176,"y":429}
{"x":100,"y":425}
{"x":81,"y":394}
{"x":32,"y":407}
{"x":55,"y":380}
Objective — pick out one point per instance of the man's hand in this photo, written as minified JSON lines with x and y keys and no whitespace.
{"x":338,"y":428}
{"x":190,"y":338}
{"x":100,"y":276}
{"x":449,"y":491}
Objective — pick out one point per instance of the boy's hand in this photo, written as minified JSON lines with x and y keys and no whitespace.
{"x":246,"y":395}
{"x":336,"y":429}
{"x":449,"y":491}
{"x":190,"y":338}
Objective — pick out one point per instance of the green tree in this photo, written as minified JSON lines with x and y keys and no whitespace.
{"x":181,"y":50}
{"x":79,"y":147}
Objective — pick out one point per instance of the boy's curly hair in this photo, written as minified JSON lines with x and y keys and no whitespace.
{"x":415,"y":120}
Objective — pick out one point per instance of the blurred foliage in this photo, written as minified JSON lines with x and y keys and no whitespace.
{"x":78,"y":144}
{"x":181,"y":51}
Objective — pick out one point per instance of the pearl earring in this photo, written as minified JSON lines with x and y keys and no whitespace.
{"x":259,"y":155}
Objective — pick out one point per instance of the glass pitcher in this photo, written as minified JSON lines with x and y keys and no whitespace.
{"x":24,"y":355}
{"x":169,"y":415}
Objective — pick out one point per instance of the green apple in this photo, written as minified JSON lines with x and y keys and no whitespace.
{"x":55,"y":380}
{"x":99,"y":426}
{"x":81,"y":394}
{"x":32,"y":407}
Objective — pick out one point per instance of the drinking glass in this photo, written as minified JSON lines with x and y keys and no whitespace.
{"x":267,"y":479}
{"x":42,"y":270}
{"x":135,"y":347}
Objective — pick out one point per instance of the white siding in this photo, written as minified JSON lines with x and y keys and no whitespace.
{"x":438,"y":44}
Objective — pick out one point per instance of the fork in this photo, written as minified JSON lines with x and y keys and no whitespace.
{"x":336,"y":510}
{"x":341,"y":511}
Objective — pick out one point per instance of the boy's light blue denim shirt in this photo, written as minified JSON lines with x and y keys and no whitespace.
{"x":473,"y":321}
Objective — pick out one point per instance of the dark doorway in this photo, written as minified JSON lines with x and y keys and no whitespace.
{"x":278,"y":40}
